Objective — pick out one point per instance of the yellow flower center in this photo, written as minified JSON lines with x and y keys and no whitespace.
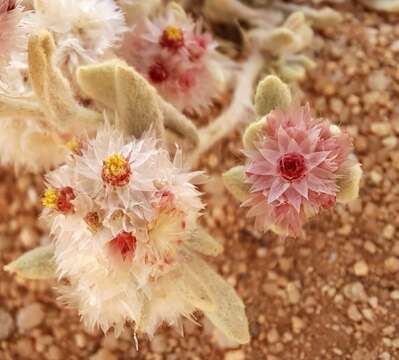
{"x":74,"y":146}
{"x":172,"y":38}
{"x":173,"y":33}
{"x":116,"y":170}
{"x":115,"y":165}
{"x":50,"y":198}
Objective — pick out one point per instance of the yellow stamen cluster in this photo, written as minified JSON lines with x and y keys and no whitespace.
{"x":115,"y":165}
{"x":173,"y":33}
{"x":50,"y":198}
{"x":74,"y":146}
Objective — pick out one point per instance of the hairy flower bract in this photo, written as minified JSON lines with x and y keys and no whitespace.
{"x":294,"y":169}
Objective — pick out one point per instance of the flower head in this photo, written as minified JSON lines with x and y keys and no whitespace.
{"x":294,"y":169}
{"x":175,"y":55}
{"x":129,"y":215}
{"x":84,"y":30}
{"x":15,"y":25}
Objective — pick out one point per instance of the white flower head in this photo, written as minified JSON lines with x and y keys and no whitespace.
{"x":121,"y":213}
{"x":178,"y":58}
{"x":84,"y":30}
{"x":15,"y":26}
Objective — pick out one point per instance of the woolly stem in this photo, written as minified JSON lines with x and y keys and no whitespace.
{"x":177,"y":122}
{"x":19,"y":108}
{"x":240,"y":110}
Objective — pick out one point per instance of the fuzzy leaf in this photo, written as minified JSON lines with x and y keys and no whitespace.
{"x":234,"y":180}
{"x":229,"y":315}
{"x":202,"y":242}
{"x":119,"y":87}
{"x":349,"y":185}
{"x":252,"y":133}
{"x":52,"y":89}
{"x":194,"y":291}
{"x":297,"y":23}
{"x":37,"y":264}
{"x":136,"y":103}
{"x":98,"y":82}
{"x":271,"y":93}
{"x":19,"y":108}
{"x":279,"y":41}
{"x":291,"y":72}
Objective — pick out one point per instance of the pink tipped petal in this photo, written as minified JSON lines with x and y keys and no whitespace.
{"x":270,"y":155}
{"x":261,"y":169}
{"x":278,"y":188}
{"x":316,"y":158}
{"x":283,"y":140}
{"x":301,"y":188}
{"x":294,"y":199}
{"x":293,"y":147}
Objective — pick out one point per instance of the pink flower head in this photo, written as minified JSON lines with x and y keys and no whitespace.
{"x":10,"y":26}
{"x":294,"y":168}
{"x":175,"y":55}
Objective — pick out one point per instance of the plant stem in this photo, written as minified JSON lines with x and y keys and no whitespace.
{"x":240,"y":108}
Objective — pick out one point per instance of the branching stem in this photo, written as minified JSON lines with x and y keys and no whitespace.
{"x":240,"y":108}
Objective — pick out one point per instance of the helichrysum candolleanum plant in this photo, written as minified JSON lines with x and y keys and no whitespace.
{"x":124,"y":218}
{"x":296,"y":164}
{"x":107,"y":86}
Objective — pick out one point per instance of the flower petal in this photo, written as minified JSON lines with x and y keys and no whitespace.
{"x":316,"y":158}
{"x":301,"y":188}
{"x":279,"y":187}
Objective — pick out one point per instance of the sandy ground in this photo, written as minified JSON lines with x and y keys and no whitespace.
{"x":331,"y":295}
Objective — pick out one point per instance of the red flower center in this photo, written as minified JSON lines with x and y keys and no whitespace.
{"x":172,"y":38}
{"x":158,"y":73}
{"x":124,"y":244}
{"x":292,"y":166}
{"x":65,"y":196}
{"x":12,"y":4}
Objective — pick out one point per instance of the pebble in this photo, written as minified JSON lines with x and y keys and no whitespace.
{"x":54,"y":353}
{"x":235,"y":355}
{"x":388,"y":232}
{"x":159,"y":343}
{"x":355,"y":292}
{"x":25,"y":348}
{"x":378,"y":81}
{"x":370,"y":247}
{"x":392,"y":264}
{"x":6,"y":324}
{"x":381,"y":128}
{"x":80,"y":340}
{"x":353,"y":313}
{"x":360,"y":268}
{"x":29,"y":317}
{"x":103,"y":354}
{"x":29,"y":237}
{"x":293,"y":293}
{"x":297,"y":324}
{"x":390,"y":142}
{"x":395,"y":295}
{"x":273,"y":336}
{"x":375,"y":177}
